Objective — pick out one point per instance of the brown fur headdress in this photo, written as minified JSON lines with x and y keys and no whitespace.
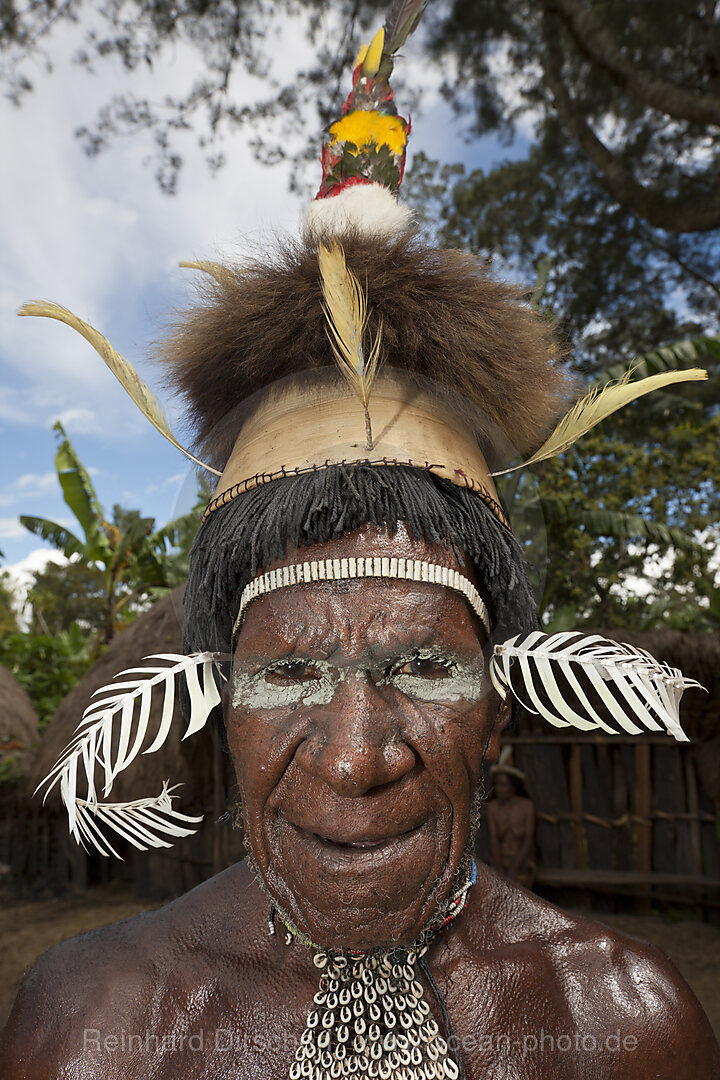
{"x":443,"y":317}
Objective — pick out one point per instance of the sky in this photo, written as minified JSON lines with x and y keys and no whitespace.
{"x":98,"y":236}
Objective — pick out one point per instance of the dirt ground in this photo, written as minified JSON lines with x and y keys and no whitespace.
{"x":28,"y":929}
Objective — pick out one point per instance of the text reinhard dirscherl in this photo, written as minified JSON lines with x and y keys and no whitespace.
{"x":228,"y":1040}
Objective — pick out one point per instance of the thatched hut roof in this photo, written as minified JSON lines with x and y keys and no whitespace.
{"x":189,"y":763}
{"x":697,"y":655}
{"x":19,"y":730}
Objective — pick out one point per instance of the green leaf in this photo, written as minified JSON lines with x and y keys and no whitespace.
{"x":681,"y":354}
{"x":617,"y":523}
{"x":543,"y":272}
{"x":563,"y":618}
{"x":80,"y":496}
{"x":54,"y":534}
{"x":631,"y":526}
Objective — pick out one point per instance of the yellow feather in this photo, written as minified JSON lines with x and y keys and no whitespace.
{"x":346,"y":311}
{"x":373,"y":56}
{"x":123,"y":371}
{"x":598,"y":405}
{"x":222,"y":275}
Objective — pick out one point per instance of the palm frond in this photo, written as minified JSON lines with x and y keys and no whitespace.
{"x":589,"y":682}
{"x":618,"y":523}
{"x":145,"y":823}
{"x":675,"y":357}
{"x":54,"y":534}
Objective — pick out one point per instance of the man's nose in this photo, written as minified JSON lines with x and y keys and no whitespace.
{"x":355,"y":744}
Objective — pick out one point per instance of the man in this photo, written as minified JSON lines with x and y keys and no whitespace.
{"x":352,"y":582}
{"x":359,"y":804}
{"x":511,"y":824}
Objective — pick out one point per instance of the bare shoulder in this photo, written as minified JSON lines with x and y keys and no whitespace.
{"x":610,"y":984}
{"x":634,"y":986}
{"x":120,"y":977}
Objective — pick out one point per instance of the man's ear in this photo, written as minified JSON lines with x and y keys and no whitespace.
{"x":503,"y":716}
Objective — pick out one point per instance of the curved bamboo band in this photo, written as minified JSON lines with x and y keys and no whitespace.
{"x":304,"y":431}
{"x":307,"y":573}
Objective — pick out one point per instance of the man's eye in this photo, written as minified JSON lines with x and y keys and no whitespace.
{"x":426,"y":667}
{"x":291,"y":671}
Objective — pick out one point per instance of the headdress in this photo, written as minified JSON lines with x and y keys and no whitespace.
{"x":357,"y":375}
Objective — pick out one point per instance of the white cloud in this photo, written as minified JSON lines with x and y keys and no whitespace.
{"x":30,"y":485}
{"x":13,"y":411}
{"x":77,"y":421}
{"x":37,"y":483}
{"x":20,"y":575}
{"x":10,"y":528}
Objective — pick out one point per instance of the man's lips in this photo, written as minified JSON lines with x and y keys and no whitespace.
{"x":367,"y":842}
{"x":355,"y":844}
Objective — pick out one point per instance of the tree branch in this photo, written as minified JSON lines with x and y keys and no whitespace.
{"x":599,"y":45}
{"x":680,"y":214}
{"x":691,"y":271}
{"x":712,"y":45}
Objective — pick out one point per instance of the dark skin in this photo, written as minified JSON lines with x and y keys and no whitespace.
{"x":357,"y":803}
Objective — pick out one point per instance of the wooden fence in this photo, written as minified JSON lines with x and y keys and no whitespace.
{"x":616,"y":817}
{"x":39,"y":857}
{"x":622,"y":816}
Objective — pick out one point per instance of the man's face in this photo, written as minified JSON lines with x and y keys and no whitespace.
{"x":358,"y":716}
{"x":503,"y":786}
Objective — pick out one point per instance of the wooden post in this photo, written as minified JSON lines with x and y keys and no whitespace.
{"x":576,"y":806}
{"x":693,"y":805}
{"x":643,"y":802}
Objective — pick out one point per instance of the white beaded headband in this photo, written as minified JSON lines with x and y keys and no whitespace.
{"x":373,"y":567}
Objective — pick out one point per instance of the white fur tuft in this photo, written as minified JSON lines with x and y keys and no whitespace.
{"x":368,"y":209}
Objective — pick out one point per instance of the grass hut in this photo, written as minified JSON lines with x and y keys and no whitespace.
{"x":19,"y":732}
{"x":698,"y":657}
{"x":198,"y":764}
{"x":19,"y":735}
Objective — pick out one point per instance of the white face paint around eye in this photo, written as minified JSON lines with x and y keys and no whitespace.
{"x":424,"y":675}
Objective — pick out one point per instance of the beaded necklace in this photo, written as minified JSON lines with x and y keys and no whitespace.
{"x":369,"y":1017}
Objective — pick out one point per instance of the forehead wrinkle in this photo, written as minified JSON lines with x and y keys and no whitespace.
{"x":321,"y":625}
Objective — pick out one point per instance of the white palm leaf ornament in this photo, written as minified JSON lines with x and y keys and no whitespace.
{"x":112,"y":732}
{"x":589,"y":682}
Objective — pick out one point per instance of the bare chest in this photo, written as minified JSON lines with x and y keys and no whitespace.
{"x":509,"y":1020}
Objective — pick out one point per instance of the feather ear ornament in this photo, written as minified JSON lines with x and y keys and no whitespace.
{"x":121,"y":368}
{"x":589,"y":682}
{"x":345,"y":308}
{"x":598,"y":405}
{"x":112,"y":732}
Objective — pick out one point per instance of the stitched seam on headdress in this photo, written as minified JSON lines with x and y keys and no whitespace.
{"x":258,"y":479}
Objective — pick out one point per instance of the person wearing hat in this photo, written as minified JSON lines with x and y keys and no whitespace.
{"x":511,"y":823}
{"x":359,"y":620}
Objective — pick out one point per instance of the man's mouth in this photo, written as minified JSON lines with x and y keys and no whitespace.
{"x":364,"y":844}
{"x":347,"y":846}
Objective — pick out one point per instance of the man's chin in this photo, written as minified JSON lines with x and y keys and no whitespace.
{"x":360,"y":898}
